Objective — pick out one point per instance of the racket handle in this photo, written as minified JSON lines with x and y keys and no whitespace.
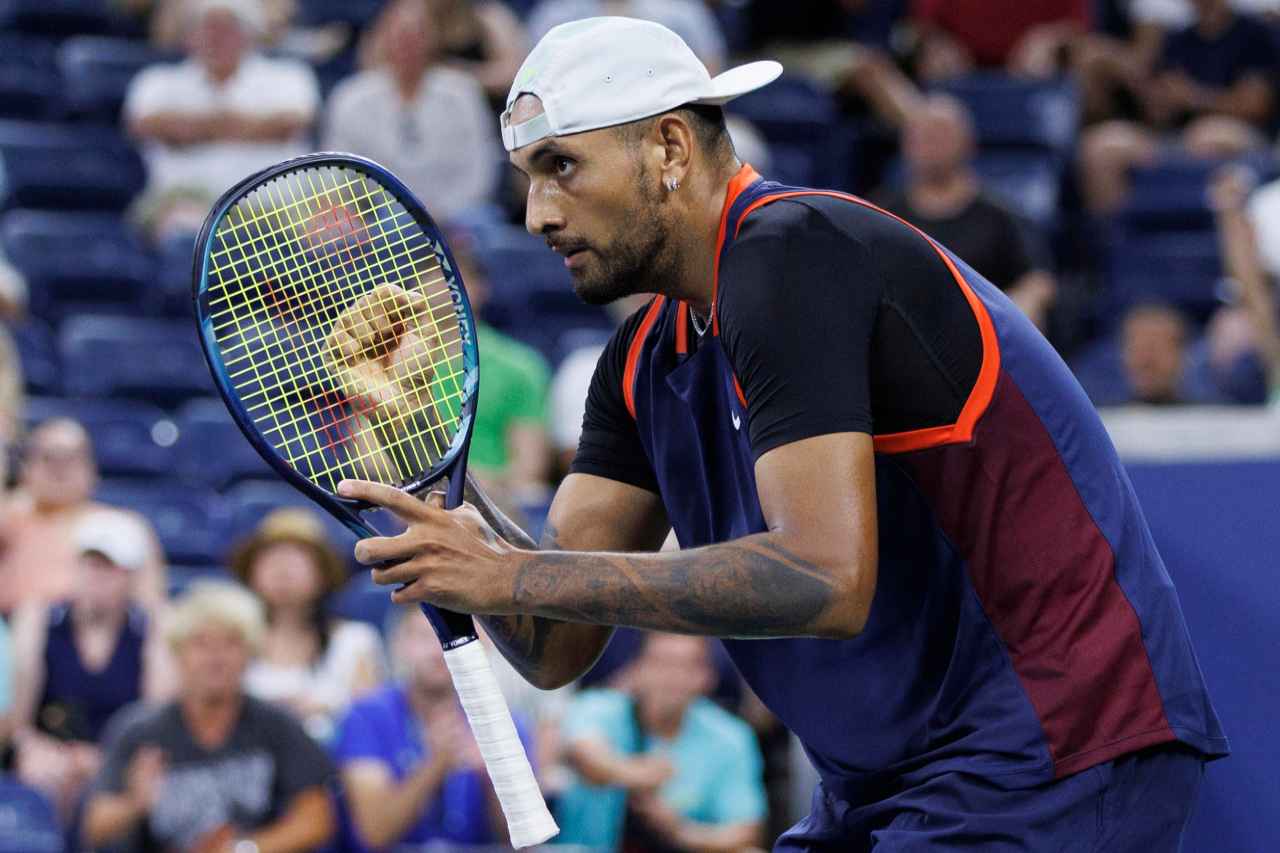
{"x":528,"y":820}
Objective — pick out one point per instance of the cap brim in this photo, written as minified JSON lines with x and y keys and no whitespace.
{"x":738,"y":81}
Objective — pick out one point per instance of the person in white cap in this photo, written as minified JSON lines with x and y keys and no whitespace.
{"x":895,"y":503}
{"x":83,"y":659}
{"x":225,"y":110}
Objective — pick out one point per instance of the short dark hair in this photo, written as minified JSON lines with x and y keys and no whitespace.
{"x":708,"y":125}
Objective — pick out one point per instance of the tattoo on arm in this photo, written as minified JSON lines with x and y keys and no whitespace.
{"x":751,"y":587}
{"x":523,"y":639}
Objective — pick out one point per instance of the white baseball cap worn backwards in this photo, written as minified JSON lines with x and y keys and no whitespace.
{"x":601,"y":72}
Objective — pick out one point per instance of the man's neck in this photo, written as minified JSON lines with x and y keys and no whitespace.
{"x":408,"y":81}
{"x":699,"y":230}
{"x":211,"y":718}
{"x":664,"y":724}
{"x":945,"y":196}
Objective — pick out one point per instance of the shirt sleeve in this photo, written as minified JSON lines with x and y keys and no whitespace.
{"x":150,"y":92}
{"x":596,"y":715}
{"x":798,"y":300}
{"x":740,"y":794}
{"x":610,"y":443}
{"x":358,"y":738}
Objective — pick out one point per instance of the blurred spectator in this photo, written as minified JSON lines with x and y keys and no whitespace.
{"x":215,"y":768}
{"x":689,"y":19}
{"x":13,"y":303}
{"x":819,"y":39}
{"x":1263,"y":209}
{"x":7,"y":666}
{"x":957,"y":37}
{"x":309,"y":662}
{"x":56,"y":480}
{"x":485,"y":39}
{"x":509,"y":444}
{"x":225,"y":111}
{"x":573,"y":378}
{"x":1154,"y":343}
{"x":410,"y":766}
{"x":666,"y":763}
{"x":166,"y":21}
{"x":82,"y":660}
{"x":1241,"y":241}
{"x":944,"y":197}
{"x":1113,"y":63}
{"x":428,"y":123}
{"x":1214,"y":85}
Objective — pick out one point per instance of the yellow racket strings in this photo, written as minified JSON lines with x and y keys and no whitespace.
{"x":289,"y":261}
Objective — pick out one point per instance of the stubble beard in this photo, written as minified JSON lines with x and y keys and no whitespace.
{"x":639,"y":259}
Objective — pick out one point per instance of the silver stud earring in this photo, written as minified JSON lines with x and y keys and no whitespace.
{"x":672,"y":185}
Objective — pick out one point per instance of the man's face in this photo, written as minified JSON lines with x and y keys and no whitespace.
{"x":219,"y":41}
{"x":104,"y":587}
{"x":936,"y":140}
{"x":1153,"y":349}
{"x":672,"y":671}
{"x":212,"y":661}
{"x":419,"y":657}
{"x":58,"y":469}
{"x":410,"y":39}
{"x":595,"y":202}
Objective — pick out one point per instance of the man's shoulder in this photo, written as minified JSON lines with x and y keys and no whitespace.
{"x":453,"y":81}
{"x":714,"y":725}
{"x":359,"y":87}
{"x":262,"y":67}
{"x":603,"y":704}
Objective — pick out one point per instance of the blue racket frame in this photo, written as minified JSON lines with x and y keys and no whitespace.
{"x":454,"y":629}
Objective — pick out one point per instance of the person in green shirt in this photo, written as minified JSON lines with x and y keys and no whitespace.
{"x":661,"y":766}
{"x":509,"y":444}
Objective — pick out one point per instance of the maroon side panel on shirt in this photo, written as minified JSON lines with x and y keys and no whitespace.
{"x":1046,"y":578}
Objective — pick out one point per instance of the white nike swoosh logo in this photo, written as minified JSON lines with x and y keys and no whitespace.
{"x":737,"y":422}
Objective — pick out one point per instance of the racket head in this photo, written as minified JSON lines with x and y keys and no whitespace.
{"x":301,"y":257}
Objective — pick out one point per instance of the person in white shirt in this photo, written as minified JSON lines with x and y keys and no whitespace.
{"x":223,"y":113}
{"x":427,"y":123}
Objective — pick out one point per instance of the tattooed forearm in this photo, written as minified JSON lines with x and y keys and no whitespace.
{"x":750,"y":587}
{"x":523,"y":639}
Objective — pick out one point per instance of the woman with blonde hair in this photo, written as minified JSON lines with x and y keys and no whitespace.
{"x":309,"y":661}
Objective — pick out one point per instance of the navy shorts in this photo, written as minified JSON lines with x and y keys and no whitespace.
{"x":1138,"y":803}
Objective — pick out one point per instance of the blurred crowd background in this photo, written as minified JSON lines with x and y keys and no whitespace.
{"x":186,"y":660}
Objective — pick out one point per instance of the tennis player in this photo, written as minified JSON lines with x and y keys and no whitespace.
{"x":894,"y":501}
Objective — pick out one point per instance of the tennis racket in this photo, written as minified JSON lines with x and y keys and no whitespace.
{"x":339,"y":334}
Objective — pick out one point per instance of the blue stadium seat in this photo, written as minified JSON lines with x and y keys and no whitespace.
{"x":30,"y":86}
{"x":1179,"y":267}
{"x":212,"y":450}
{"x":67,"y":167}
{"x":250,"y":502}
{"x":28,"y":823}
{"x":171,"y":295}
{"x":129,"y":439}
{"x":97,"y":71}
{"x":1013,"y":112}
{"x":157,"y":360}
{"x":76,"y":257}
{"x":1028,"y":182}
{"x":808,"y":140}
{"x":355,"y":12}
{"x":180,"y":577}
{"x":191,"y":523}
{"x":38,"y":352}
{"x":57,"y":17}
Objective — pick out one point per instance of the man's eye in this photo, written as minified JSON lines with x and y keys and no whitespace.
{"x":562,"y":165}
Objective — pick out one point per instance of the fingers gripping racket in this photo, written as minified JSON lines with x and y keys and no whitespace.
{"x":340,"y":336}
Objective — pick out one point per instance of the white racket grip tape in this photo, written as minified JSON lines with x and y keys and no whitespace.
{"x":528,"y":820}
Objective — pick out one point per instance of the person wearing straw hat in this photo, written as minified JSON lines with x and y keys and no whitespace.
{"x":896,"y":506}
{"x":309,"y":661}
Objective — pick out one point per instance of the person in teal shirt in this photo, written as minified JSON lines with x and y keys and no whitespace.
{"x":688,"y":772}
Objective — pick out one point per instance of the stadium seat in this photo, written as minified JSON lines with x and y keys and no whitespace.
{"x":30,"y":86}
{"x":76,"y":257}
{"x":171,"y":295}
{"x":1028,"y":182}
{"x":211,"y":449}
{"x":355,"y":12}
{"x":129,"y":439}
{"x":180,"y":577}
{"x":38,"y":352}
{"x":28,"y":823}
{"x":67,"y":167}
{"x":1013,"y":112}
{"x":808,"y":140}
{"x":157,"y":360}
{"x":250,"y":502}
{"x":57,"y":17}
{"x":97,"y":71}
{"x":1179,"y":267}
{"x":191,"y":523}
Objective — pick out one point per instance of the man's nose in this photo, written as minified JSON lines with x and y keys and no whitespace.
{"x":542,"y":214}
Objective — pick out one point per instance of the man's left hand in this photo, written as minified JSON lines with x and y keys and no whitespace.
{"x":450,"y":558}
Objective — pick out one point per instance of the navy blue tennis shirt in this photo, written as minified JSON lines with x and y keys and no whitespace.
{"x":1023,"y":624}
